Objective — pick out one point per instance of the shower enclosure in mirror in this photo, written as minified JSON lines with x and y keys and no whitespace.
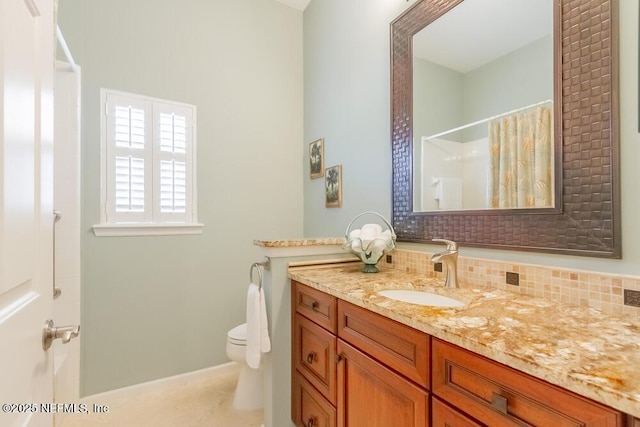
{"x":483,"y":107}
{"x":512,"y":143}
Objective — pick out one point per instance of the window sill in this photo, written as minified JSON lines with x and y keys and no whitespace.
{"x":120,"y":230}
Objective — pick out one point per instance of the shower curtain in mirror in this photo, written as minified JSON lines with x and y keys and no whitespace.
{"x":521,"y":160}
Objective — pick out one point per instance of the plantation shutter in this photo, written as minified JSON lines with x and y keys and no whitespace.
{"x":148,"y":164}
{"x":173,"y":151}
{"x":128,"y":160}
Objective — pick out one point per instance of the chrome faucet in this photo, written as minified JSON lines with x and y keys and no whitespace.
{"x":449,"y":259}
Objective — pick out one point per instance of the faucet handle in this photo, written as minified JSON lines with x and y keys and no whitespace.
{"x":451,"y":245}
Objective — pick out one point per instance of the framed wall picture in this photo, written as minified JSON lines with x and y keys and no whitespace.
{"x":333,"y":186}
{"x":316,"y":158}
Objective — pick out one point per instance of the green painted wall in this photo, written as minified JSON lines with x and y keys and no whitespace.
{"x":158,"y":306}
{"x":346,"y":54}
{"x":346,"y":102}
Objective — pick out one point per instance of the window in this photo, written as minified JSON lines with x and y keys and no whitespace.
{"x":148,"y":166}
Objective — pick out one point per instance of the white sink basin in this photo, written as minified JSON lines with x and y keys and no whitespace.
{"x":421,"y":298}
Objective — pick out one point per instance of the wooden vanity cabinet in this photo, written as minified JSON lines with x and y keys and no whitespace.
{"x":353,"y":368}
{"x":313,"y":357}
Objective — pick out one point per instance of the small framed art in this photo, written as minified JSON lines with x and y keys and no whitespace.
{"x":333,"y":186}
{"x":316,"y":158}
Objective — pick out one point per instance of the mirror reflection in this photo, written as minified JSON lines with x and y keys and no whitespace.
{"x":483,"y":107}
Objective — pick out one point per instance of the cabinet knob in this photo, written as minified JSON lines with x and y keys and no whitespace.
{"x":314,"y":305}
{"x":311,"y":357}
{"x":311,"y":422}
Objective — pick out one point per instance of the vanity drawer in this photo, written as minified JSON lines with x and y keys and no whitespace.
{"x":400,"y":347}
{"x":498,"y":395}
{"x":315,"y":356}
{"x":311,"y":409}
{"x":315,"y":305}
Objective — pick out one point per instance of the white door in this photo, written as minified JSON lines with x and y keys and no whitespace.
{"x":26,"y":211}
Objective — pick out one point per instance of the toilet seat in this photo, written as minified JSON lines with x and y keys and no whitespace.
{"x":238,"y":335}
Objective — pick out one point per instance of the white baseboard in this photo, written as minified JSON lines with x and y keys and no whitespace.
{"x":159,"y":384}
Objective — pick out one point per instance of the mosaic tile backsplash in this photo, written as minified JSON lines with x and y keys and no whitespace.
{"x":605,"y":292}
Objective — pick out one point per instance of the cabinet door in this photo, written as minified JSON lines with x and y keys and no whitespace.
{"x":371,"y":395}
{"x":442,"y":415}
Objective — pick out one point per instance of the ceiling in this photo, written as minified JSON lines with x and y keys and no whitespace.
{"x":296,"y":4}
{"x":477,"y":32}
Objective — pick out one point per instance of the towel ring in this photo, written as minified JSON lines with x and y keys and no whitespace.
{"x":266,"y":264}
{"x":256,"y":266}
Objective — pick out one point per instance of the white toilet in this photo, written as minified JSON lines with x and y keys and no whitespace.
{"x":248,"y":394}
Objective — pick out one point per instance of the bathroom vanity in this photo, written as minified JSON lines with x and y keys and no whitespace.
{"x":359,"y":358}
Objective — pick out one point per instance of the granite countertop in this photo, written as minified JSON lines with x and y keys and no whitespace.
{"x":580,"y":349}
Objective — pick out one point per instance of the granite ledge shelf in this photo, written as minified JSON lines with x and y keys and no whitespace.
{"x":299,"y":242}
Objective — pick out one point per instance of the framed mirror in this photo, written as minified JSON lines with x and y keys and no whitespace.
{"x":583,"y":217}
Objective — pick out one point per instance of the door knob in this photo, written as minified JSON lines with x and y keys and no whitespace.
{"x":51,"y":332}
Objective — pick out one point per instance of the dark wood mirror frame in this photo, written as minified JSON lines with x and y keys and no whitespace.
{"x":586,"y":220}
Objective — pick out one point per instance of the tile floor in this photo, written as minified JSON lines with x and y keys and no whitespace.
{"x":202,"y":402}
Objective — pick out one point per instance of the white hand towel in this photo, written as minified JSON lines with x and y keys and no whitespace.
{"x":258,"y":341}
{"x":265,"y":341}
{"x":253,"y":326}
